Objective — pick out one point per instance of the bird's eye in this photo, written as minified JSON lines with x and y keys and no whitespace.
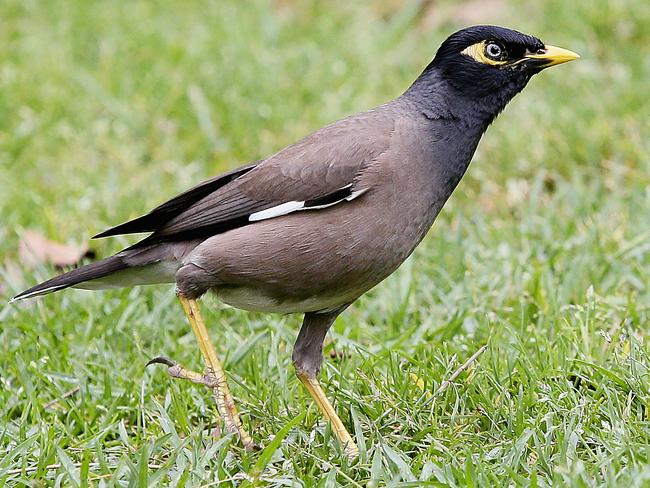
{"x":494,"y":51}
{"x":491,"y":53}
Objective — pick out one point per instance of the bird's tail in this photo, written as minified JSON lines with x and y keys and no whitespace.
{"x":126,"y":268}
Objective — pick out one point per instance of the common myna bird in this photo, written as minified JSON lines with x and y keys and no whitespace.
{"x":314,"y":226}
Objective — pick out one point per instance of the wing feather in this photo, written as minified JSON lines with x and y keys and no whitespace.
{"x":316,"y":169}
{"x":162,"y":214}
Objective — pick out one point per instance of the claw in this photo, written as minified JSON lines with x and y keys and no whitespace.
{"x":175,"y":370}
{"x":161,"y":360}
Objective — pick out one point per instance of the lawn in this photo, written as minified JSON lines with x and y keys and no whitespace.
{"x":542,"y":254}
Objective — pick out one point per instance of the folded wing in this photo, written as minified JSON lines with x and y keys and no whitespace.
{"x":319,"y":171}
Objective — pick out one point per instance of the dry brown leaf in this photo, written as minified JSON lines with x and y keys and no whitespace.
{"x":35,"y":249}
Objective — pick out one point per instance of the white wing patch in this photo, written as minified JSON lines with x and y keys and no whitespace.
{"x":282,"y":209}
{"x":295,"y":206}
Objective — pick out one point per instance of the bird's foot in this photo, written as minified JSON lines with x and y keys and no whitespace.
{"x":175,"y":370}
{"x":225,"y":402}
{"x":313,"y":386}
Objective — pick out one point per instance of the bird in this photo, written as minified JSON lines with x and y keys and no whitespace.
{"x":316,"y":225}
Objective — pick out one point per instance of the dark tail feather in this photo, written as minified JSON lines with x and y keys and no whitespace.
{"x":88,"y":272}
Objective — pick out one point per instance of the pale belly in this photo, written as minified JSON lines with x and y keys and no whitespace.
{"x":256,"y":300}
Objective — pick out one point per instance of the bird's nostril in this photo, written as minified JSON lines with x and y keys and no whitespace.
{"x":541,"y":51}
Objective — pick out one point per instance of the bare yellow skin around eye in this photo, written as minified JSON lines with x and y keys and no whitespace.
{"x":477,"y":52}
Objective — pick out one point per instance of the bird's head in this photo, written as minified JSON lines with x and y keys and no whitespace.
{"x":491,"y":64}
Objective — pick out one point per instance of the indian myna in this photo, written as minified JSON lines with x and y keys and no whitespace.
{"x":314,"y":226}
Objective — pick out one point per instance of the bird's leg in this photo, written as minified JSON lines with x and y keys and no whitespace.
{"x":307,"y":358}
{"x":214,"y":376}
{"x":215,"y":373}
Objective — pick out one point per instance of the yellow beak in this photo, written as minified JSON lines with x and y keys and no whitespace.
{"x":553,"y":55}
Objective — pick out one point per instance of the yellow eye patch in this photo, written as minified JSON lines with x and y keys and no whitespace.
{"x":478,"y":53}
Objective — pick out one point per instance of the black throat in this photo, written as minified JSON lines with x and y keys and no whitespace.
{"x":438,"y":94}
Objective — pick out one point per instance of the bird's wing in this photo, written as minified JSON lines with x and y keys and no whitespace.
{"x":316,"y":172}
{"x":171,"y":208}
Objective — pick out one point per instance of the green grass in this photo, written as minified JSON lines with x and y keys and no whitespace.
{"x":542,"y":253}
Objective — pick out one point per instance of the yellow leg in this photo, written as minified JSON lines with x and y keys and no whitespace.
{"x":215,"y":376}
{"x":317,"y":393}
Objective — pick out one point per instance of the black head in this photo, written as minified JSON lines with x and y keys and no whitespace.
{"x":491,"y":64}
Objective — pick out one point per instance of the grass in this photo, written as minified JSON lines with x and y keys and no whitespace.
{"x":542,"y":253}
